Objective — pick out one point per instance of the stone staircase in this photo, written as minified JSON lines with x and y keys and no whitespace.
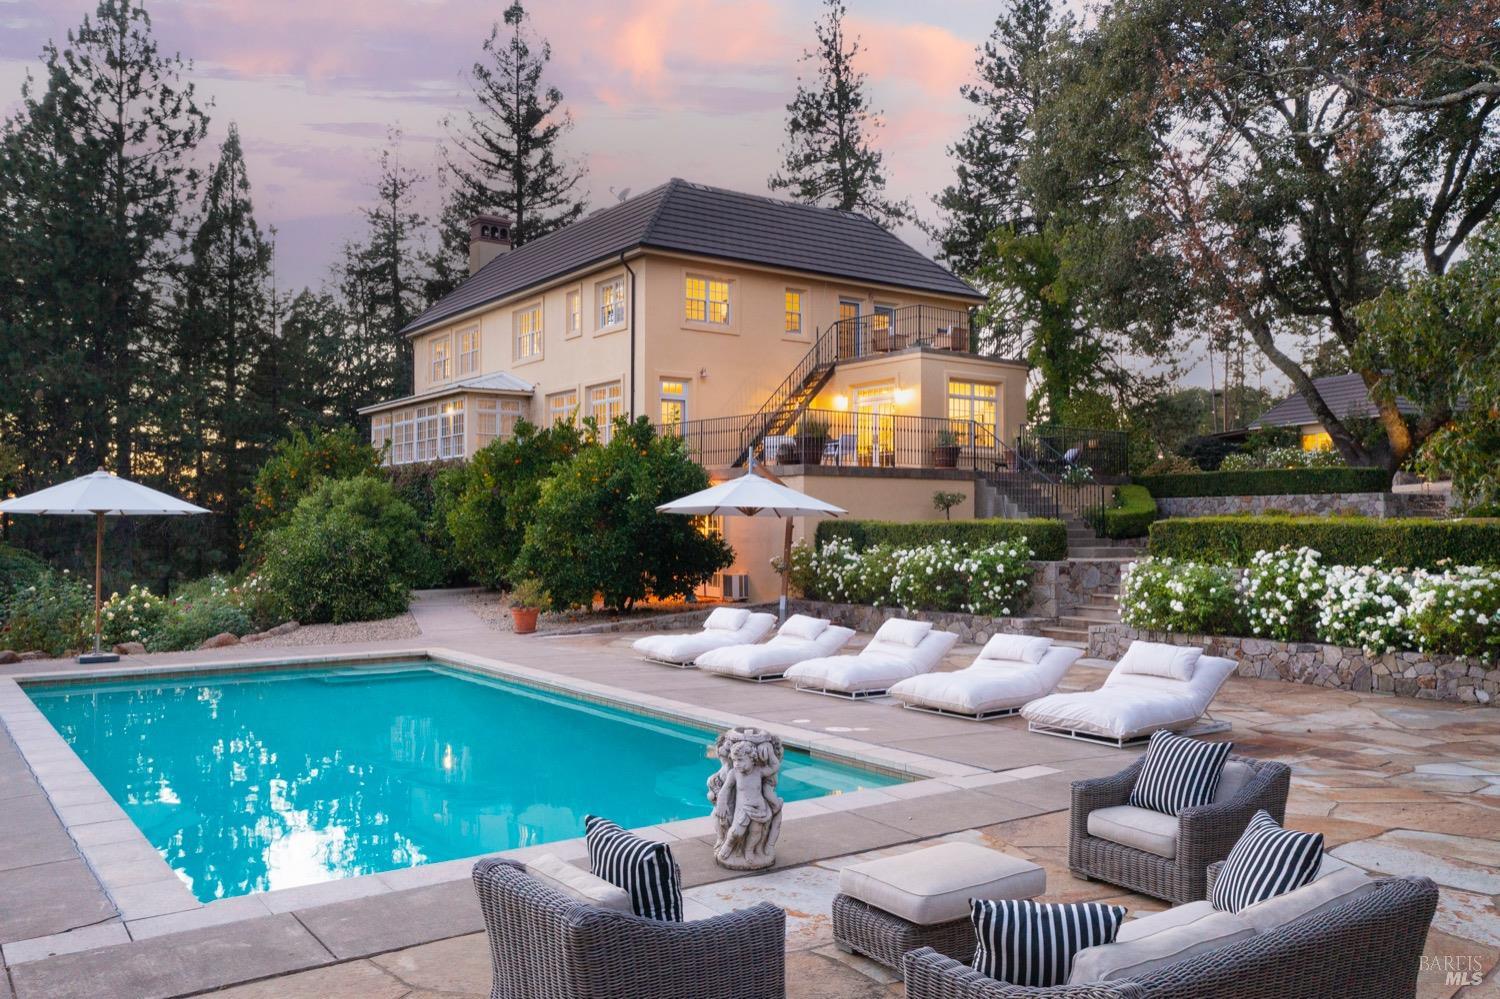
{"x":1072,"y":627}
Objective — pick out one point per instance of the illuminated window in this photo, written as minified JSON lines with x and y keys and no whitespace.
{"x":973,"y":405}
{"x":1317,"y":440}
{"x":528,"y":332}
{"x":496,"y":419}
{"x":606,"y":402}
{"x":403,"y":436}
{"x":793,"y":312}
{"x":442,"y":359}
{"x":707,"y":300}
{"x":562,"y":406}
{"x":427,"y":423}
{"x":468,"y":351}
{"x":575,"y":313}
{"x":380,"y":433}
{"x":450,"y":441}
{"x":611,"y":298}
{"x":673,"y":403}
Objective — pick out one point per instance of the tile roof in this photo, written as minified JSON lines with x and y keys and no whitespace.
{"x":712,"y":222}
{"x":1346,"y":395}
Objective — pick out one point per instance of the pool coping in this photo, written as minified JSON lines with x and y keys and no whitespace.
{"x":153,"y":901}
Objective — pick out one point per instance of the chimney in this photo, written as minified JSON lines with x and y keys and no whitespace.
{"x":489,"y":236}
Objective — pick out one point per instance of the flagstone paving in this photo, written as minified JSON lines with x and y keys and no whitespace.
{"x":1395,"y":786}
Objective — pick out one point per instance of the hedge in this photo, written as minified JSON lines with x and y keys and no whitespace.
{"x":1414,"y":543}
{"x":1048,"y":538}
{"x":1132,"y":514}
{"x":1270,"y":482}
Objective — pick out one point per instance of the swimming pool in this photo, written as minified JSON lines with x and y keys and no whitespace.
{"x":249,"y":782}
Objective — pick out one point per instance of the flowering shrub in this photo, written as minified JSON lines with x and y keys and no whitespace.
{"x":134,"y":616}
{"x":943,"y":576}
{"x":1077,"y":475}
{"x":54,"y":614}
{"x":1366,"y":607}
{"x":1457,"y":611}
{"x":1281,"y":457}
{"x":208,"y":607}
{"x":1162,"y":594}
{"x":1281,"y":590}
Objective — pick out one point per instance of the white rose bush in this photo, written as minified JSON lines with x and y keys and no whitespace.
{"x":992,"y":580}
{"x":1281,"y":590}
{"x":1163,"y":594}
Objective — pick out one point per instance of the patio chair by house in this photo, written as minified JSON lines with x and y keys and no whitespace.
{"x":724,"y":627}
{"x":1167,"y":856}
{"x":545,"y":944}
{"x":801,"y":637}
{"x":843,"y":450}
{"x":1009,"y":671}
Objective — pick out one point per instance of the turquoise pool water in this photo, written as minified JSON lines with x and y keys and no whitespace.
{"x":257,"y":781}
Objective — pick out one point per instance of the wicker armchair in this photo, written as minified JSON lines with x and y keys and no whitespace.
{"x":545,"y":945}
{"x":1204,"y":834}
{"x":1369,"y":948}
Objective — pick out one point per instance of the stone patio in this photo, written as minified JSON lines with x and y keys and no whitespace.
{"x":1395,"y":786}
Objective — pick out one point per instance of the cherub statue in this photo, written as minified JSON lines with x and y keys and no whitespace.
{"x":747,"y":810}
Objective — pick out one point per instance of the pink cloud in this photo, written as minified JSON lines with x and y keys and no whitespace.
{"x":925,"y":56}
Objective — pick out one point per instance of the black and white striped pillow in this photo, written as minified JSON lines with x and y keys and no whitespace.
{"x":1033,"y":943}
{"x":643,"y":869}
{"x":1179,"y":773}
{"x":1266,"y":861}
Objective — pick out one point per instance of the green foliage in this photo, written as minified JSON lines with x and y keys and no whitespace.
{"x":429,"y":489}
{"x":993,"y":579}
{"x":595,"y":529}
{"x":1281,"y":457}
{"x":946,"y":501}
{"x":211,"y":606}
{"x":1131,"y":514}
{"x":493,"y":498}
{"x":1163,"y":594}
{"x":1047,"y":538}
{"x":132,"y":616}
{"x":1353,"y":541}
{"x":528,"y":592}
{"x":1172,"y":464}
{"x":1281,"y":590}
{"x":54,"y":613}
{"x":19,"y":569}
{"x":348,"y":552}
{"x":1458,"y":612}
{"x":297,"y":468}
{"x":1269,"y":482}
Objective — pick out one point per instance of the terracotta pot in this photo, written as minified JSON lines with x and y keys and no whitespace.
{"x":524,"y":619}
{"x":945,"y":456}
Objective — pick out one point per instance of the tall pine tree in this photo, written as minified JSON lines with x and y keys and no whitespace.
{"x":504,"y":156}
{"x":830,"y":156}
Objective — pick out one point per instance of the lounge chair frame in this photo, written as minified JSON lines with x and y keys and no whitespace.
{"x":1208,"y":725}
{"x":948,"y":713}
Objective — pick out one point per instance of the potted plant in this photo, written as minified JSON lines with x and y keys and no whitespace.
{"x":526,"y":599}
{"x":812,"y":438}
{"x":945,"y":450}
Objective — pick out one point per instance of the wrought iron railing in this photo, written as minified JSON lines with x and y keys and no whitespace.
{"x":899,"y":329}
{"x":1056,"y":448}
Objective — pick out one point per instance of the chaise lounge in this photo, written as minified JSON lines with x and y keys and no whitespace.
{"x":900,"y":649}
{"x":724,"y":627}
{"x":1009,"y":671}
{"x":799,"y":639}
{"x":1153,"y":687}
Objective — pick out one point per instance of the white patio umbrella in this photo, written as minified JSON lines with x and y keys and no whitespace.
{"x":102,"y":494}
{"x":756,"y":494}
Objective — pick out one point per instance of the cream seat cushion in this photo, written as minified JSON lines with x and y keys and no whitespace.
{"x":1336,"y":883}
{"x":575,"y":882}
{"x":934,"y":885}
{"x":1158,"y":940}
{"x":1140,"y":828}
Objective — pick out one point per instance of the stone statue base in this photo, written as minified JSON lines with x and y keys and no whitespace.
{"x":747,"y":811}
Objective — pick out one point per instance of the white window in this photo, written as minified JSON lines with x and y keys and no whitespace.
{"x":468,"y":351}
{"x":451,"y":429}
{"x":427,"y":422}
{"x":380,"y":433}
{"x":673,"y":404}
{"x":562,"y":406}
{"x":496,"y":418}
{"x":403,"y":437}
{"x":793,"y":312}
{"x":575,"y":313}
{"x":528,"y":332}
{"x":611,"y":298}
{"x":973,"y":405}
{"x":706,"y":300}
{"x":442,"y":359}
{"x":605,"y":403}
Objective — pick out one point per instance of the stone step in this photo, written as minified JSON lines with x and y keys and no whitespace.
{"x":1098,"y":552}
{"x":1075,"y":622}
{"x":1071,"y":636}
{"x":1096,"y":613}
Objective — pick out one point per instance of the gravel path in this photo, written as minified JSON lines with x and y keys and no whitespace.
{"x":400,"y":626}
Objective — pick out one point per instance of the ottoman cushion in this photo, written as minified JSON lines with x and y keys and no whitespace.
{"x":934,"y":885}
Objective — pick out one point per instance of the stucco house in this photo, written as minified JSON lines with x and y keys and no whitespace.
{"x":811,"y":337}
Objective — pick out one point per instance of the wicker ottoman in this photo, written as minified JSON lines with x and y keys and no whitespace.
{"x":889,"y":906}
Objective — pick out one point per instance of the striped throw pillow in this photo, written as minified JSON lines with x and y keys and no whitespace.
{"x":1179,"y":773}
{"x":1266,"y":861}
{"x":643,"y":869}
{"x":1022,"y":942}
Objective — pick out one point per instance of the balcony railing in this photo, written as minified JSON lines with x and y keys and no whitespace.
{"x":912,"y":326}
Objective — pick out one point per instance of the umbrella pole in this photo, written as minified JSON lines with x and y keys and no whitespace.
{"x":786,"y":567}
{"x":98,"y":655}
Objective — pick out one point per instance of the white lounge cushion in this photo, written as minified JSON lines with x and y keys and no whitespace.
{"x":1175,"y":662}
{"x":803,"y":626}
{"x":1017,"y":648}
{"x":751,"y":662}
{"x":1138,"y":828}
{"x":1178,"y":936}
{"x":575,"y":882}
{"x":684,"y":647}
{"x":992,"y":685}
{"x":901,"y":631}
{"x":934,"y":885}
{"x":1335,"y":884}
{"x":1132,"y":705}
{"x":726,"y":619}
{"x":876,"y":667}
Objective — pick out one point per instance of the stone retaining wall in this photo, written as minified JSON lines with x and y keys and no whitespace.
{"x":971,"y":628}
{"x":1307,"y":504}
{"x":1407,"y":674}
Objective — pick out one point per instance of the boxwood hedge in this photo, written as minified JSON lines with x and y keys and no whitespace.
{"x":1415,"y":543}
{"x":1270,"y":482}
{"x":1132,"y":514}
{"x":1048,"y":538}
